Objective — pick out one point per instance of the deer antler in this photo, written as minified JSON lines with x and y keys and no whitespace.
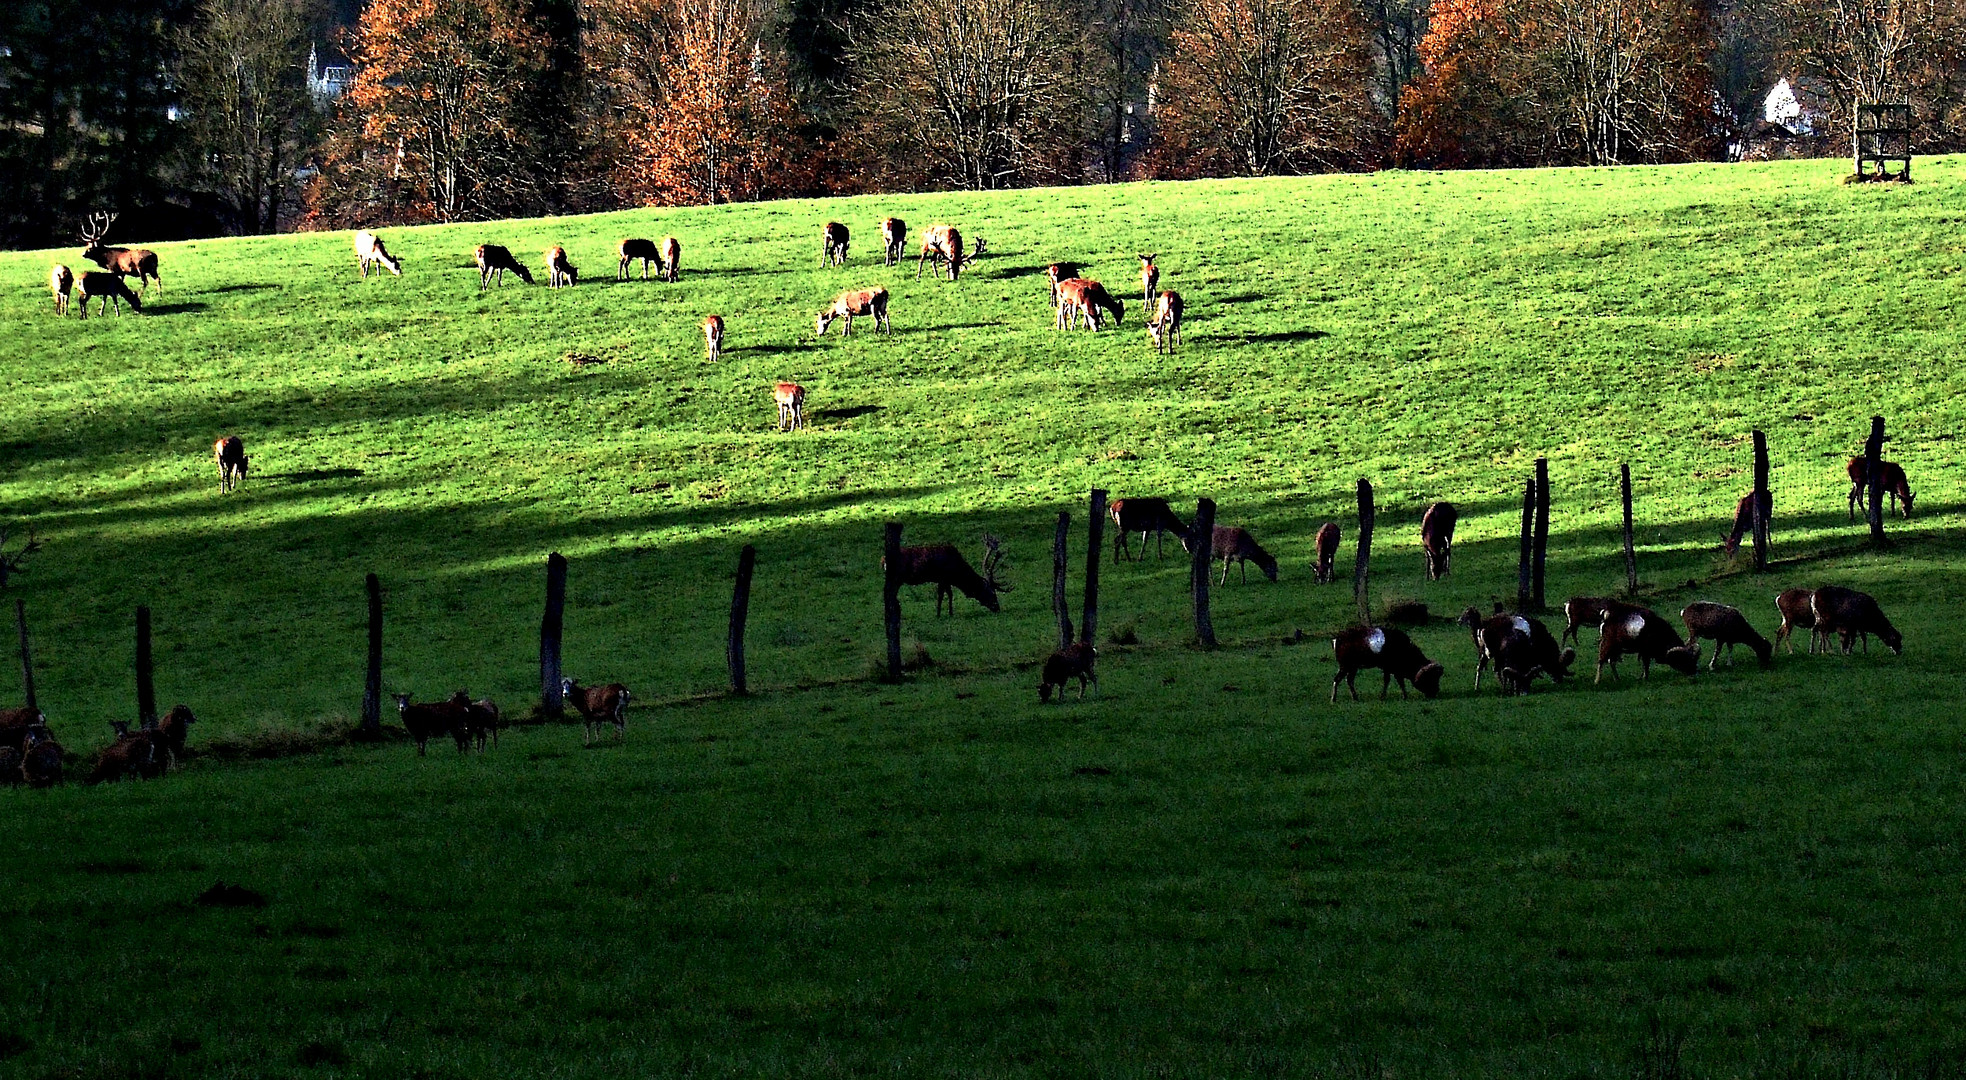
{"x":992,"y":555}
{"x":98,"y":227}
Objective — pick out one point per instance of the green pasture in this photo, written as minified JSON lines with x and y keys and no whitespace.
{"x":1209,"y":870}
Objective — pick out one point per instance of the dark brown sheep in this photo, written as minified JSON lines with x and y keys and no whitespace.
{"x":14,"y":724}
{"x":429,"y":720}
{"x":1850,"y":614}
{"x":1074,"y":661}
{"x":134,"y":755}
{"x":599,"y":705}
{"x":1644,"y":633}
{"x":1579,"y":611}
{"x":1724,"y":625}
{"x":1796,"y":612}
{"x":1389,"y":650}
{"x":41,"y":760}
{"x":1518,"y":647}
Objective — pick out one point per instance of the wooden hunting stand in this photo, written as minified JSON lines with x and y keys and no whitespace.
{"x":1881,"y":135}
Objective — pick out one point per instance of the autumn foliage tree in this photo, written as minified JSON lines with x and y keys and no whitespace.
{"x":1266,"y":86}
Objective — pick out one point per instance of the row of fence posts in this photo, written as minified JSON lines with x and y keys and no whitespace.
{"x":1529,"y":582}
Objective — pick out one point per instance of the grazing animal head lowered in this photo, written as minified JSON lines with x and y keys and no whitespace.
{"x":1074,"y":661}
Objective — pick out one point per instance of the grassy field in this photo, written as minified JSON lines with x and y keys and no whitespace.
{"x":1209,"y":870}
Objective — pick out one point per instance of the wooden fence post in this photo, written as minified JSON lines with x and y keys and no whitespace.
{"x":146,"y":690}
{"x":550,"y":625}
{"x":740,"y":609}
{"x":372,"y":685}
{"x":1874,"y":479}
{"x":1361,"y":571}
{"x":1542,"y":533}
{"x":1631,"y":554}
{"x":891,"y":598}
{"x":1059,"y":539}
{"x":1522,"y":567}
{"x":1764,"y":503}
{"x":1095,"y":540}
{"x":26,"y":656}
{"x":1200,"y":561}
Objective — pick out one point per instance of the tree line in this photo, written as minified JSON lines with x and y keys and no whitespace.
{"x":190,"y":117}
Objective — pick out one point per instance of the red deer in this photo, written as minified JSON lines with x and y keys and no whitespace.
{"x":41,"y":757}
{"x":944,"y":567}
{"x":1143,"y":516}
{"x":1149,"y":280}
{"x":1724,"y":625}
{"x":174,"y":728}
{"x":1643,"y":633}
{"x":97,"y":285}
{"x":1084,"y":297}
{"x":1166,"y":326}
{"x":644,"y":250}
{"x":1389,"y":650}
{"x":559,"y":272}
{"x":1744,"y":520}
{"x":1234,"y":544}
{"x":427,"y":720}
{"x":121,"y":261}
{"x":1518,"y":647}
{"x":61,"y":282}
{"x":230,"y":453}
{"x":1074,"y":661}
{"x":1796,"y":612}
{"x":1581,"y":611}
{"x":1890,"y":475}
{"x":894,"y":233}
{"x":1327,"y":551}
{"x":1850,"y":614}
{"x":599,"y":705}
{"x":1437,"y":537}
{"x":494,"y":261}
{"x":132,"y":756}
{"x":672,"y":259}
{"x":791,"y":398}
{"x":1057,"y":272}
{"x":944,"y":243}
{"x":869,"y":302}
{"x":835,"y":236}
{"x":370,"y":252}
{"x":713,"y":336}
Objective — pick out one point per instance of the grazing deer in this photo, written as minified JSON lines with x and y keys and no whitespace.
{"x":1231,"y":543}
{"x":672,"y":259}
{"x":1143,"y":516}
{"x":1166,"y":326}
{"x":370,"y":252}
{"x":1074,"y":661}
{"x":1057,"y":272}
{"x":494,"y":261}
{"x":944,"y":567}
{"x":713,"y":336}
{"x":1437,"y":537}
{"x":864,"y":302}
{"x":61,"y":281}
{"x":1327,"y":551}
{"x":1744,"y":520}
{"x":791,"y":398}
{"x":944,"y":243}
{"x":836,"y":238}
{"x":107,"y":287}
{"x":230,"y":453}
{"x":559,"y":272}
{"x":1082,"y":297}
{"x":120,"y":261}
{"x":1149,"y":280}
{"x":644,"y":250}
{"x":894,"y":233}
{"x":1890,"y":475}
{"x":599,"y":706}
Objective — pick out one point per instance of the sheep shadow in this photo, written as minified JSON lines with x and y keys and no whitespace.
{"x":849,"y":412}
{"x":185,"y":308}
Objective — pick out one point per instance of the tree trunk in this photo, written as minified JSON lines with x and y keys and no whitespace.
{"x":1095,"y":540}
{"x":1528,"y":546}
{"x":1764,"y":503}
{"x":740,"y":609}
{"x":1059,"y":539}
{"x":891,"y":599}
{"x":146,"y":690}
{"x":1631,"y":554}
{"x":372,"y":685}
{"x":1541,"y":556}
{"x":1874,"y":479}
{"x":1361,"y":570}
{"x":550,"y":704}
{"x":26,"y":656}
{"x":1201,"y":562}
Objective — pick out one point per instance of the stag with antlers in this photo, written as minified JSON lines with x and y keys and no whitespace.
{"x":944,"y":567}
{"x":121,"y":261}
{"x":944,"y":244}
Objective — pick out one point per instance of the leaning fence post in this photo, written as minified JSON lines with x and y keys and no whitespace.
{"x":26,"y":657}
{"x":1363,"y":567}
{"x":550,"y":704}
{"x":1059,"y":539}
{"x":1874,"y":478}
{"x":891,"y":598}
{"x":146,"y":690}
{"x":1522,"y":567}
{"x":1631,"y":554}
{"x":1541,"y":557}
{"x":1095,"y":539}
{"x":740,"y":609}
{"x":372,"y":685}
{"x":1200,"y":561}
{"x":1764,"y":503}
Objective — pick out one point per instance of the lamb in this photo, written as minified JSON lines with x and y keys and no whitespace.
{"x":1233,"y":543}
{"x":41,"y":758}
{"x":61,"y":282}
{"x":135,"y":755}
{"x":1149,"y":280}
{"x":1744,"y":520}
{"x":1518,"y":647}
{"x":1724,"y":625}
{"x":1643,"y":633}
{"x":599,"y":705}
{"x":230,"y":453}
{"x":1850,"y":614}
{"x":430,"y":719}
{"x":1889,"y":474}
{"x":1437,"y":537}
{"x":1072,"y":661}
{"x":1327,"y":551}
{"x":1796,"y":612}
{"x":1389,"y":650}
{"x":1583,"y":611}
{"x":1143,"y":516}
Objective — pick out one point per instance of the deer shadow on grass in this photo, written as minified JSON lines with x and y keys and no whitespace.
{"x":1285,"y":336}
{"x":185,"y":308}
{"x":251,"y":286}
{"x":309,"y":476}
{"x":849,"y":412}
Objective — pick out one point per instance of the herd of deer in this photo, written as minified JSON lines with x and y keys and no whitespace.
{"x":106,"y":286}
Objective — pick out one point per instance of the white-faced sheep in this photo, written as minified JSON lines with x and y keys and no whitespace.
{"x":1389,"y":650}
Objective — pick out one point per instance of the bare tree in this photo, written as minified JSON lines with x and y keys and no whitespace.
{"x":1396,"y":27}
{"x":249,"y":115}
